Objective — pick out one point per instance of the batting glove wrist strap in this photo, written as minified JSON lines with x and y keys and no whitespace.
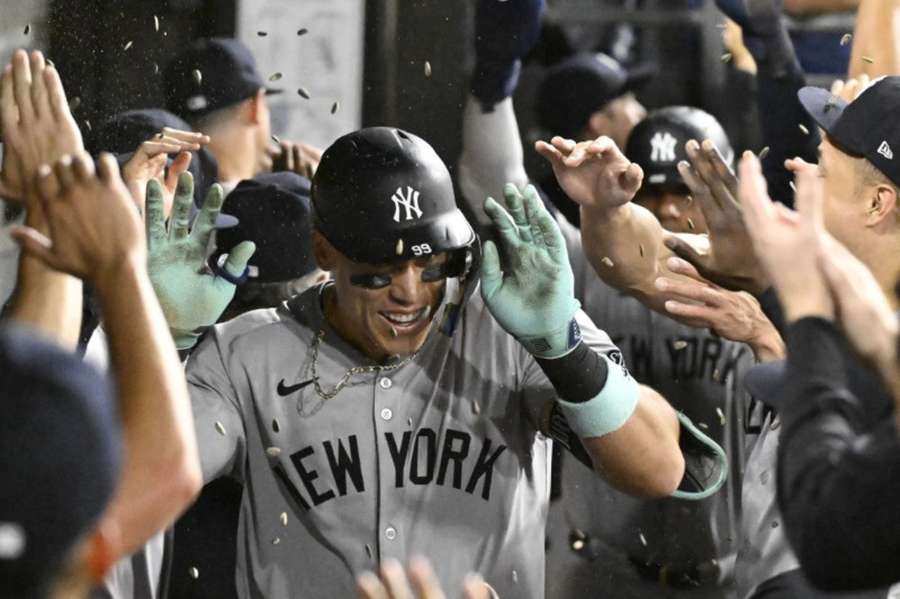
{"x":609,"y":409}
{"x":555,"y":344}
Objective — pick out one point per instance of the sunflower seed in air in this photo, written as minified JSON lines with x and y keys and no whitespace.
{"x":680,"y":344}
{"x":690,"y":223}
{"x":763,"y":153}
{"x":198,"y":76}
{"x":275,"y":76}
{"x":607,"y":262}
{"x":273,"y":452}
{"x":284,"y":518}
{"x":127,"y":46}
{"x":334,"y":107}
{"x":220,"y":428}
{"x":793,"y":187}
{"x":427,"y":69}
{"x":275,"y":426}
{"x":27,"y":29}
{"x":262,"y":33}
{"x":643,"y":539}
{"x":703,"y":425}
{"x":195,"y":573}
{"x":275,"y":139}
{"x":721,"y":416}
{"x":399,"y":248}
{"x":803,"y":129}
{"x":156,"y":23}
{"x":301,"y":91}
{"x":87,"y":125}
{"x":303,"y":31}
{"x":276,"y":540}
{"x":868,"y":59}
{"x":641,"y":249}
{"x":726,"y":57}
{"x":845,"y":39}
{"x":74,"y":104}
{"x":155,"y":68}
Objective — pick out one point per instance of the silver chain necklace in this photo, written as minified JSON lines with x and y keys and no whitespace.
{"x":326,"y":395}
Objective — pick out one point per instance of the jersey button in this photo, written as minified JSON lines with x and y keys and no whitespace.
{"x":385,"y":382}
{"x":390,"y":533}
{"x":386,"y":414}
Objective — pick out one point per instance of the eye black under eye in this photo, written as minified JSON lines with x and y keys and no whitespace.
{"x":434,"y":273}
{"x":371,"y":281}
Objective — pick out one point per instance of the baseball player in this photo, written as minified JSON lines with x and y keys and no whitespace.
{"x":370,"y":417}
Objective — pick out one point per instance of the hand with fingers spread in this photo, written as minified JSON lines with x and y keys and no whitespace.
{"x":848,"y":90}
{"x":532,"y":292}
{"x":191,"y":297}
{"x":392,"y":583}
{"x":149,"y":162}
{"x":299,"y":158}
{"x":734,"y":315}
{"x":37,"y":126}
{"x":93,"y":227}
{"x":729,"y":261}
{"x":787,"y":242}
{"x":595,"y":174}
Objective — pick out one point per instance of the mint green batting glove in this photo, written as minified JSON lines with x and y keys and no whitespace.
{"x":192,"y":298}
{"x":532,"y":293}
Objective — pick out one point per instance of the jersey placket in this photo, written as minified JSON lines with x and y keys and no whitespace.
{"x":386,"y":415}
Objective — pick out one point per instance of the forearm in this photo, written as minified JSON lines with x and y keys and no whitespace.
{"x":768,"y":345}
{"x":642,"y":457}
{"x":491,"y":155}
{"x":805,"y":8}
{"x":162,"y":471}
{"x":877,"y":38}
{"x":625,"y":247}
{"x":46,"y":300}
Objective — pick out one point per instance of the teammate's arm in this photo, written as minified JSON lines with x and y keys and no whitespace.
{"x":96,"y":234}
{"x":876,"y":39}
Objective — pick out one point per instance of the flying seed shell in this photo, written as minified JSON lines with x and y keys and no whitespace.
{"x":643,"y":539}
{"x":156,"y":23}
{"x":301,"y":91}
{"x":721,"y":416}
{"x":803,"y":129}
{"x":703,"y":425}
{"x":262,"y":33}
{"x":275,"y":426}
{"x":394,"y":332}
{"x":155,"y":68}
{"x":27,"y":29}
{"x":476,"y":408}
{"x":690,"y":223}
{"x":276,"y":540}
{"x":284,"y":518}
{"x":763,"y":153}
{"x":641,"y":249}
{"x":335,"y":106}
{"x":198,"y":76}
{"x":87,"y":125}
{"x":716,"y":376}
{"x":194,"y":573}
{"x":845,"y":39}
{"x":303,"y":31}
{"x":690,"y":200}
{"x":220,"y":428}
{"x":409,"y":422}
{"x":275,"y":76}
{"x":127,"y":46}
{"x":680,"y":344}
{"x":793,"y":187}
{"x":399,"y":248}
{"x":868,"y":59}
{"x":273,"y":452}
{"x":577,"y":544}
{"x":726,"y":57}
{"x":607,"y":262}
{"x":369,"y":550}
{"x":74,"y":103}
{"x":50,"y":63}
{"x":427,"y":69}
{"x":275,"y":139}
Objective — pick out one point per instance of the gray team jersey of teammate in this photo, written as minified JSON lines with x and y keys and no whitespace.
{"x":698,"y":373}
{"x":441,"y":457}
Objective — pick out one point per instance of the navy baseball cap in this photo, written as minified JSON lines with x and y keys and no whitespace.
{"x":213,"y":73}
{"x":60,"y":455}
{"x":868,"y":127}
{"x":579,"y":86}
{"x":274,"y":213}
{"x":124,"y":132}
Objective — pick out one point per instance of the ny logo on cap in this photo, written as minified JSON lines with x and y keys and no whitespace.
{"x":662,"y":147}
{"x":885,"y":150}
{"x":410,"y":201}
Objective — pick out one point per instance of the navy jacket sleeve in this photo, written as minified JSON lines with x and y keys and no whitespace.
{"x":838,"y":476}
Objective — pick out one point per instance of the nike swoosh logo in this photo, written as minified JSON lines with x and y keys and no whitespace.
{"x":285,"y":390}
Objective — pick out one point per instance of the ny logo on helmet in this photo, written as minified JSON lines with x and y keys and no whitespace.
{"x":662,"y":147}
{"x":410,"y":201}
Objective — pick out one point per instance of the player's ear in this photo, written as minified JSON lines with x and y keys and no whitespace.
{"x":882,"y":205}
{"x":598,"y":124}
{"x":324,"y":253}
{"x":254,"y":107}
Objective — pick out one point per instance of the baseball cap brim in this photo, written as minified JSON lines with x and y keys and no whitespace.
{"x":273,"y":92}
{"x":825,"y":108}
{"x":638,"y":75}
{"x":765,"y":381}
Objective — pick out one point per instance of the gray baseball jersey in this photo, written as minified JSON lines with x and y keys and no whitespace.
{"x":442,"y":457}
{"x":698,"y":373}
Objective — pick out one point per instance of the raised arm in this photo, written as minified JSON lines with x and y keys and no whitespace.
{"x":876,"y":39}
{"x":37,"y":129}
{"x":95,"y":234}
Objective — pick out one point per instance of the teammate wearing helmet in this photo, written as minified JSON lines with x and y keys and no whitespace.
{"x":370,"y":417}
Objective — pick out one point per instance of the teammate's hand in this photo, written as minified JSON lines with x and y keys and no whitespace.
{"x":729,"y":261}
{"x":592,"y":173}
{"x":532,"y":292}
{"x":93,"y":227}
{"x":149,"y":162}
{"x":734,"y":315}
{"x":787,"y":242}
{"x":191,"y":297}
{"x":848,"y":90}
{"x":860,"y":306}
{"x":37,"y":126}
{"x":298,"y":157}
{"x":393,"y":583}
